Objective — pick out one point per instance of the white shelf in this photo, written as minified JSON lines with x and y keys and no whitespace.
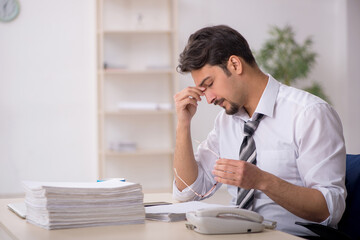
{"x":118,"y":71}
{"x":135,"y":31}
{"x":136,"y":112}
{"x":143,"y":152}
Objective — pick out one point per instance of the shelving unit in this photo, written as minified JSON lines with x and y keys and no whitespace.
{"x":136,"y":42}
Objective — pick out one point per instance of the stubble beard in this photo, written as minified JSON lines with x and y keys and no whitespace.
{"x":234,"y":108}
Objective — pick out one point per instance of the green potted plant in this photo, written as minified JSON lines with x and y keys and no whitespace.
{"x":288,"y":61}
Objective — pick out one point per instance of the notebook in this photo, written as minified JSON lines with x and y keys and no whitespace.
{"x":19,"y":208}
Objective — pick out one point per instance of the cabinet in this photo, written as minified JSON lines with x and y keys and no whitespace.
{"x":136,"y":76}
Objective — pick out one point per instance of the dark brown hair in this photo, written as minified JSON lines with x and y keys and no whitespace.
{"x":214,"y":45}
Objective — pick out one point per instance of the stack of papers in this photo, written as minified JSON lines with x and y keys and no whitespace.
{"x":177,"y":212}
{"x":57,"y":205}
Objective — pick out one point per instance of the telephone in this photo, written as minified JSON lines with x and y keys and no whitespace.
{"x":224,"y":220}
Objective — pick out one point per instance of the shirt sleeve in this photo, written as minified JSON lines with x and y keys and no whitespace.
{"x":206,"y":155}
{"x":322,"y":156}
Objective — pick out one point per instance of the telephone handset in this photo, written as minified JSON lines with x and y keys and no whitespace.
{"x":224,"y":220}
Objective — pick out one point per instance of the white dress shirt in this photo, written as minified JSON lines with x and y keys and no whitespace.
{"x":300,"y":140}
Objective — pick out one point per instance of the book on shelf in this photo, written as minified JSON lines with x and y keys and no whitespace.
{"x":144,"y":106}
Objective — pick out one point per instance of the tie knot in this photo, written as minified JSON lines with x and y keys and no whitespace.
{"x":250,"y":126}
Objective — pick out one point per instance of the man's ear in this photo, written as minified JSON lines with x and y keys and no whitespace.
{"x":235,"y":64}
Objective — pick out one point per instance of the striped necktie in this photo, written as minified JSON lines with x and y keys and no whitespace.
{"x":247,"y":153}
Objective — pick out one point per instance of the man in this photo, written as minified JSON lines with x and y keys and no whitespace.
{"x":300,"y":162}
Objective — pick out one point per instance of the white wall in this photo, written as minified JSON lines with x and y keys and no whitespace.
{"x":48,"y":94}
{"x":352,"y":115}
{"x":327,"y":21}
{"x":48,"y":81}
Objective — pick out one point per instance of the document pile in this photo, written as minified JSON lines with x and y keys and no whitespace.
{"x":177,"y":212}
{"x":56,"y":205}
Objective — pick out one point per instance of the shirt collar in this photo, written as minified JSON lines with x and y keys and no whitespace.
{"x":267,"y":101}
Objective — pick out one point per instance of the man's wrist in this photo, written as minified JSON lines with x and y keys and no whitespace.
{"x":267,"y":181}
{"x":183,"y":124}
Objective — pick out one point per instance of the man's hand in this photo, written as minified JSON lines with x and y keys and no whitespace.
{"x":238,"y":173}
{"x":186,"y":103}
{"x":307,"y":203}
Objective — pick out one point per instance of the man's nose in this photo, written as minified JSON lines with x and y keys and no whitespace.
{"x":210,"y":97}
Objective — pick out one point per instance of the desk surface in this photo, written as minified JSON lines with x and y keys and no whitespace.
{"x":13,"y":227}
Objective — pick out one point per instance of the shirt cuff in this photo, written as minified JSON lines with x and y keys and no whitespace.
{"x":186,"y":194}
{"x":333,"y":198}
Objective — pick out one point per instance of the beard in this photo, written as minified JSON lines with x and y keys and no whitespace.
{"x":234,"y":108}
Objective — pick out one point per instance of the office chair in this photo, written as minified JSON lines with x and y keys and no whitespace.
{"x":349,"y":225}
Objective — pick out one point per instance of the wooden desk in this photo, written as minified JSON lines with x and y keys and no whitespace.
{"x":12,"y":227}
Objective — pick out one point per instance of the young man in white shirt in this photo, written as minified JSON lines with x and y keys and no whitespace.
{"x":300,"y":169}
